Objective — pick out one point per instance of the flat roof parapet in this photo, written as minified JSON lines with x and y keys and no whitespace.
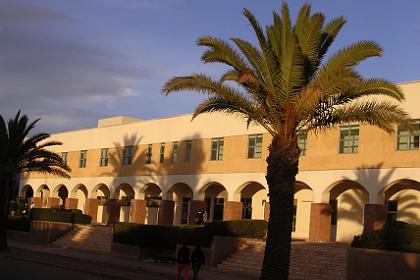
{"x":118,"y":120}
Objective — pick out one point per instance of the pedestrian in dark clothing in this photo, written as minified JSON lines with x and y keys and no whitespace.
{"x":183,"y":260}
{"x":197,"y":260}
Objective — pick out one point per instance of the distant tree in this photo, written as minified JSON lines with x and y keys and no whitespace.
{"x":22,"y":153}
{"x":285,"y":86}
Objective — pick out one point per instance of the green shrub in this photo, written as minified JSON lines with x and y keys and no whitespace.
{"x":60,"y":215}
{"x":395,"y":236}
{"x":18,"y":223}
{"x":146,"y":236}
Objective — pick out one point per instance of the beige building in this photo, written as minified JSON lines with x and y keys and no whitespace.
{"x":164,"y":171}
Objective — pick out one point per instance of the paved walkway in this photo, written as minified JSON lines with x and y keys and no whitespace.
{"x":102,"y":264}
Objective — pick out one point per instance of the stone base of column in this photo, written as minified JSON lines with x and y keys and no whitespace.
{"x":320,"y":222}
{"x":37,"y":202}
{"x":166,"y":212}
{"x":267,"y":211}
{"x":375,"y":216}
{"x":53,"y":202}
{"x":138,"y":211}
{"x":232,"y":210}
{"x":195,"y":206}
{"x":113,"y":208}
{"x":91,"y":208}
{"x":71,"y":203}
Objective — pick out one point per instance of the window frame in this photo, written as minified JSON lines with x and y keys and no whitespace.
{"x":104,"y":157}
{"x":302,"y":141}
{"x":352,"y":138}
{"x":83,"y":159}
{"x":149,"y":152}
{"x":162,"y":152}
{"x":175,"y":149}
{"x":412,"y":137}
{"x":127,"y":155}
{"x":188,"y":151}
{"x":64,"y":158}
{"x":218,"y":150}
{"x":255,"y":154}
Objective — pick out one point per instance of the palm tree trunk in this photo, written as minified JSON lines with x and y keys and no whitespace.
{"x":4,"y":208}
{"x":282,"y":167}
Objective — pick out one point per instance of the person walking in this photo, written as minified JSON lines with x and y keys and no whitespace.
{"x":197,"y":260}
{"x":183,"y":262}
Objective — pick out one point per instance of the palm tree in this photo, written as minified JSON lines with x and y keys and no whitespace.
{"x":287,"y":86}
{"x":21,"y":153}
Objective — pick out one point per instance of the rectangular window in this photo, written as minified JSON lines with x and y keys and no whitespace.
{"x":349,"y":139}
{"x":174,"y":152}
{"x":188,"y":151}
{"x":408,"y":140}
{"x":162,"y":153}
{"x":246,"y":208}
{"x":392,"y":207}
{"x":104,"y":157}
{"x":255,"y":145}
{"x":301,"y":139}
{"x":217,"y":148}
{"x":149,"y":154}
{"x":64,"y":158}
{"x":127,"y":155}
{"x":83,"y":159}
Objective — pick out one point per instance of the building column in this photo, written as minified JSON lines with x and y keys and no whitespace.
{"x":166,"y":212}
{"x":138,"y":211}
{"x":320,"y":222}
{"x":37,"y":202}
{"x":267,"y":211}
{"x":71,"y":203}
{"x":374,"y":217}
{"x":53,"y":202}
{"x":113,"y":209}
{"x":232,"y":210}
{"x":91,"y":208}
{"x":195,"y":206}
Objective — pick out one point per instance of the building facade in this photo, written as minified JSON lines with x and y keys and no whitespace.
{"x":164,"y":171}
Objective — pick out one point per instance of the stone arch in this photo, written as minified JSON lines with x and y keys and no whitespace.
{"x":81,"y":193}
{"x":61,"y":192}
{"x":122,"y":190}
{"x":303,"y":198}
{"x":402,"y":199}
{"x":27,"y":191}
{"x":101,"y":190}
{"x":181,"y":194}
{"x":43,"y":192}
{"x":347,"y":200}
{"x":102,"y":193}
{"x":253,"y":197}
{"x":215,"y":195}
{"x":152,"y":193}
{"x":124,"y":193}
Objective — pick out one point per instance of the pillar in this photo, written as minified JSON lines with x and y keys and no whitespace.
{"x":113,"y":209}
{"x":195,"y":206}
{"x":53,"y":202}
{"x":320,"y":222}
{"x":37,"y":202}
{"x":232,"y":210}
{"x":138,"y":211}
{"x":267,"y":211}
{"x":71,"y":203}
{"x":166,"y":212}
{"x":91,"y":208}
{"x":374,"y":217}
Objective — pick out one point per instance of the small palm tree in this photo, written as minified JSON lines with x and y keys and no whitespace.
{"x":21,"y":153}
{"x":287,"y":86}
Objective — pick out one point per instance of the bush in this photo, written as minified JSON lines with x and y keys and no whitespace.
{"x":146,"y":236}
{"x":18,"y":223}
{"x":60,"y":215}
{"x":395,"y":236}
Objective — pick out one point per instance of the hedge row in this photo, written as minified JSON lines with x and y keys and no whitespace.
{"x":396,"y":236}
{"x":18,"y":223}
{"x":167,"y":237}
{"x":72,"y":216}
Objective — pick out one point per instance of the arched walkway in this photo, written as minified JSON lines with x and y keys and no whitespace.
{"x":125,"y":193}
{"x":152,"y":193}
{"x":303,"y":198}
{"x":26,"y":192}
{"x":44,"y":193}
{"x":347,"y":200}
{"x":61,"y":192}
{"x":402,"y":199}
{"x":182,"y":194}
{"x":81,"y":193}
{"x":102,"y":193}
{"x":253,"y":196}
{"x":215,"y":196}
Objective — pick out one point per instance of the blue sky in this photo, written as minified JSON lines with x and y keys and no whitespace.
{"x":71,"y":62}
